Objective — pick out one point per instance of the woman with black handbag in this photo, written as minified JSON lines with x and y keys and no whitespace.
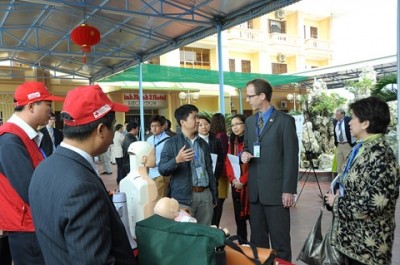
{"x":367,"y":189}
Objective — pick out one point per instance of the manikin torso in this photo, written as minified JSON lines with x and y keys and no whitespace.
{"x":140,"y":190}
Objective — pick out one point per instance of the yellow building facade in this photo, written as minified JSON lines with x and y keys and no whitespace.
{"x":284,"y":41}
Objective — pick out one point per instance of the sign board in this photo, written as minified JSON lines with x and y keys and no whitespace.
{"x":150,"y":101}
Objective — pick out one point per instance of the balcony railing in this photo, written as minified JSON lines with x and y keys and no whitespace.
{"x":317,"y":44}
{"x":283,"y":39}
{"x":244,"y":34}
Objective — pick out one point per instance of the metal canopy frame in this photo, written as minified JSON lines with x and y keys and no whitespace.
{"x":337,"y":76}
{"x":36,"y":33}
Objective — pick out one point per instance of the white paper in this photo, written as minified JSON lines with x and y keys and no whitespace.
{"x":333,"y":184}
{"x":214,"y":161}
{"x":235,"y":165}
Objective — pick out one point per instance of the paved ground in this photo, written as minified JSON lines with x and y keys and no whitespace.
{"x":303,"y":216}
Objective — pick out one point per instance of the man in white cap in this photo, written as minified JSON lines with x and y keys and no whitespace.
{"x":20,"y":153}
{"x":75,"y":219}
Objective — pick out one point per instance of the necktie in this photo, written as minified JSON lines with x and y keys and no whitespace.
{"x":260,"y":121}
{"x":340,"y":136}
{"x":51,"y":132}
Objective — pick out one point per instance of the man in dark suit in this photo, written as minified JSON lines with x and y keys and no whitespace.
{"x":52,"y":136}
{"x":73,"y":214}
{"x":271,"y":150}
{"x":342,"y":136}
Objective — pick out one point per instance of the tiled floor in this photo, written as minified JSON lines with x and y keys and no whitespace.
{"x":303,"y":216}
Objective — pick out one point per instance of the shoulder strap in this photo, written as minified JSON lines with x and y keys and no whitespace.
{"x":255,"y":259}
{"x":233,"y":245}
{"x":166,"y":138}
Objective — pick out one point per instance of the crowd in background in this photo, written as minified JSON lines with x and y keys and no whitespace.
{"x":256,"y":160}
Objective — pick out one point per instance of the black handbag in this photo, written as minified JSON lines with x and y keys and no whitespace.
{"x":317,"y":250}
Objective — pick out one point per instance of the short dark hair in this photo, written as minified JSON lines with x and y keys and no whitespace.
{"x":20,"y":108}
{"x":131,"y":125}
{"x":118,"y":126}
{"x":374,"y":110}
{"x":240,"y":117}
{"x":183,"y":112}
{"x":157,"y":118}
{"x":168,"y":124}
{"x":261,"y":86}
{"x":203,"y":117}
{"x":82,"y":132}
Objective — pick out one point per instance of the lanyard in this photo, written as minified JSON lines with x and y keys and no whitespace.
{"x":42,"y":151}
{"x":353,"y":155}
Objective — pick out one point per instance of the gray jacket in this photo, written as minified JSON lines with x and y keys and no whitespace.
{"x":181,"y":174}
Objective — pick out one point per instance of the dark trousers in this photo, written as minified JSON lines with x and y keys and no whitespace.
{"x":271,"y":223}
{"x":218,"y":212}
{"x":241,"y":223}
{"x":120,"y":170}
{"x":25,"y":248}
{"x":5,"y":255}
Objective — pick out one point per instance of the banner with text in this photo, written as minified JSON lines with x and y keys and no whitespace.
{"x":152,"y":101}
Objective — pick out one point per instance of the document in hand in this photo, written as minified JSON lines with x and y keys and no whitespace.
{"x":214,"y":161}
{"x":335,"y":185}
{"x":234,"y":160}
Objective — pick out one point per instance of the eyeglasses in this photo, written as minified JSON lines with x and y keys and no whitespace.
{"x":250,"y":96}
{"x":236,"y":124}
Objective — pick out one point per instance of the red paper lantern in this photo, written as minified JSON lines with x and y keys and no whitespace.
{"x":85,"y":36}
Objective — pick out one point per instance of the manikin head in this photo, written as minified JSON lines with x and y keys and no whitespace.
{"x":167,"y":208}
{"x":141,"y":154}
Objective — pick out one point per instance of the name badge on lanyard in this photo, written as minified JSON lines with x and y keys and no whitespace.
{"x":256,"y":150}
{"x":199,"y":168}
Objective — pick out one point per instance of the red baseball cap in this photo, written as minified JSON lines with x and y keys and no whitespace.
{"x":86,"y":104}
{"x":33,"y":91}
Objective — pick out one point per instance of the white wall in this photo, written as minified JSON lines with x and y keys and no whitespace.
{"x":361,"y":29}
{"x":365,"y":30}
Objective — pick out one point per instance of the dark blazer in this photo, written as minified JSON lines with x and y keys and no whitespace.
{"x":46,"y":143}
{"x":346,"y":120}
{"x":73,"y":214}
{"x":276,"y":171}
{"x":181,"y":174}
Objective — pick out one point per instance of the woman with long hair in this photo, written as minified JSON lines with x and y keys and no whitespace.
{"x":241,"y":205}
{"x":218,"y":128}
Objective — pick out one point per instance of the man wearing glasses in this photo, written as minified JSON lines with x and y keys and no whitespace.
{"x":271,"y":150}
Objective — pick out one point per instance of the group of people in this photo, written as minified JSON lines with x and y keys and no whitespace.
{"x":57,"y":210}
{"x":263,"y":189}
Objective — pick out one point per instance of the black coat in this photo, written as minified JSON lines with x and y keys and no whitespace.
{"x":46,"y":143}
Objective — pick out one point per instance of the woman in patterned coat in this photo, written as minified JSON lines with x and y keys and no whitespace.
{"x":364,"y":205}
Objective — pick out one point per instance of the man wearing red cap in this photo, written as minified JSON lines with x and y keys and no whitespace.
{"x":75,"y":219}
{"x":20,"y":153}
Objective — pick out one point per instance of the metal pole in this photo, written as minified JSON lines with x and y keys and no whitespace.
{"x":141,"y":103}
{"x":240,"y":101}
{"x":398,"y":81}
{"x":220,"y":71}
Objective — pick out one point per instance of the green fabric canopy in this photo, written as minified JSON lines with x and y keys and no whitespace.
{"x":161,"y":73}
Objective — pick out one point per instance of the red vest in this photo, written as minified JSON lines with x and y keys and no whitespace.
{"x":15,"y":214}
